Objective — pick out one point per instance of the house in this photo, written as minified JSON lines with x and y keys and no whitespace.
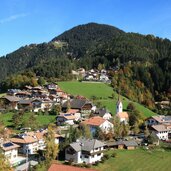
{"x":25,"y":104}
{"x":162,"y":131}
{"x":31,"y":142}
{"x":98,"y":122}
{"x":69,"y":117}
{"x":123,"y":116}
{"x":82,"y":105}
{"x":52,"y":86}
{"x":10,"y":150}
{"x":158,"y":119}
{"x":28,"y":144}
{"x":103,"y":112}
{"x":104,"y":78}
{"x":62,"y":167}
{"x":85,"y":151}
{"x":76,"y":113}
{"x":65,"y":118}
{"x":10,"y":102}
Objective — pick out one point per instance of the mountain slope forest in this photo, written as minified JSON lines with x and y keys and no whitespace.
{"x":140,"y":65}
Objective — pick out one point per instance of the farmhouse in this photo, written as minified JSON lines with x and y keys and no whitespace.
{"x":10,"y":102}
{"x":162,"y":131}
{"x":98,"y":122}
{"x":82,"y":105}
{"x":85,"y":150}
{"x":159,"y":119}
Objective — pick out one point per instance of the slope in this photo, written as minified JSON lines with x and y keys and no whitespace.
{"x":102,"y":92}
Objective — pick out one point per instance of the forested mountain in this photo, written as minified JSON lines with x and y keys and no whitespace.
{"x":144,"y":61}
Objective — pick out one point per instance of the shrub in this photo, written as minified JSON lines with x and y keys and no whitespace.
{"x":106,"y":156}
{"x":96,"y":163}
{"x":114,"y":154}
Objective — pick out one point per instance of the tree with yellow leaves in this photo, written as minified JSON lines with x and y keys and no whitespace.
{"x":51,"y":147}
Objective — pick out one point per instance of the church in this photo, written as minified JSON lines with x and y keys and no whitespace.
{"x":123,"y":116}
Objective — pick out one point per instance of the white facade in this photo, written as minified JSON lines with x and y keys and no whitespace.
{"x":162,"y":135}
{"x":30,"y":148}
{"x":11,"y":155}
{"x":80,"y":156}
{"x":119,"y":107}
{"x":106,"y":126}
{"x":107,"y":116}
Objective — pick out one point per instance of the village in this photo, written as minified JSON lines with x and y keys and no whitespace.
{"x":106,"y":132}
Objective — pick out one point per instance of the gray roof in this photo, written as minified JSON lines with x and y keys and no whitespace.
{"x":86,"y":144}
{"x":11,"y":98}
{"x":25,"y":101}
{"x":120,"y":142}
{"x":76,"y":103}
{"x":101,"y":112}
{"x":130,"y":143}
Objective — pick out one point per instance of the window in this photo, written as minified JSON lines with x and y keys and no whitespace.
{"x":86,"y":156}
{"x":99,"y":154}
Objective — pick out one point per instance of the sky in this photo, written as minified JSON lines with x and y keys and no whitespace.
{"x":23,"y":22}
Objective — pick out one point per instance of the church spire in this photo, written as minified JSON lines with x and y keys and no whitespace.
{"x":119,"y":105}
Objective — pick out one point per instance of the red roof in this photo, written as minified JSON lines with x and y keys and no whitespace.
{"x":96,"y":121}
{"x":61,"y":167}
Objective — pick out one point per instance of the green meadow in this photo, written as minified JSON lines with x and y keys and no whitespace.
{"x":137,"y":160}
{"x":103,"y":93}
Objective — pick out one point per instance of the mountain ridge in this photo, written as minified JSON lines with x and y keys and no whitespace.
{"x":145,"y":57}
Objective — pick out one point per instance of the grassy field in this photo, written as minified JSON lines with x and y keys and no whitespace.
{"x":42,"y":119}
{"x":103,"y":93}
{"x":137,"y":160}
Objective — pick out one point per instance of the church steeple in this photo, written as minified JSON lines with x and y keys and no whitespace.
{"x":119,"y":105}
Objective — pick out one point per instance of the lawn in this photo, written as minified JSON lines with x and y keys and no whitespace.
{"x":42,"y":119}
{"x":103,"y":93}
{"x":137,"y":160}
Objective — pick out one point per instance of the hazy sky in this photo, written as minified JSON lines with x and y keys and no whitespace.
{"x":34,"y":21}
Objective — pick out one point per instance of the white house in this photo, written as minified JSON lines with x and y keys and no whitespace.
{"x":98,"y":122}
{"x":31,"y":142}
{"x":85,"y":150}
{"x":104,"y":78}
{"x":10,"y":151}
{"x":27,"y":143}
{"x":162,"y":131}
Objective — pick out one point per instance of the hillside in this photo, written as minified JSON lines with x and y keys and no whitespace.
{"x":102,"y":92}
{"x":144,"y":61}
